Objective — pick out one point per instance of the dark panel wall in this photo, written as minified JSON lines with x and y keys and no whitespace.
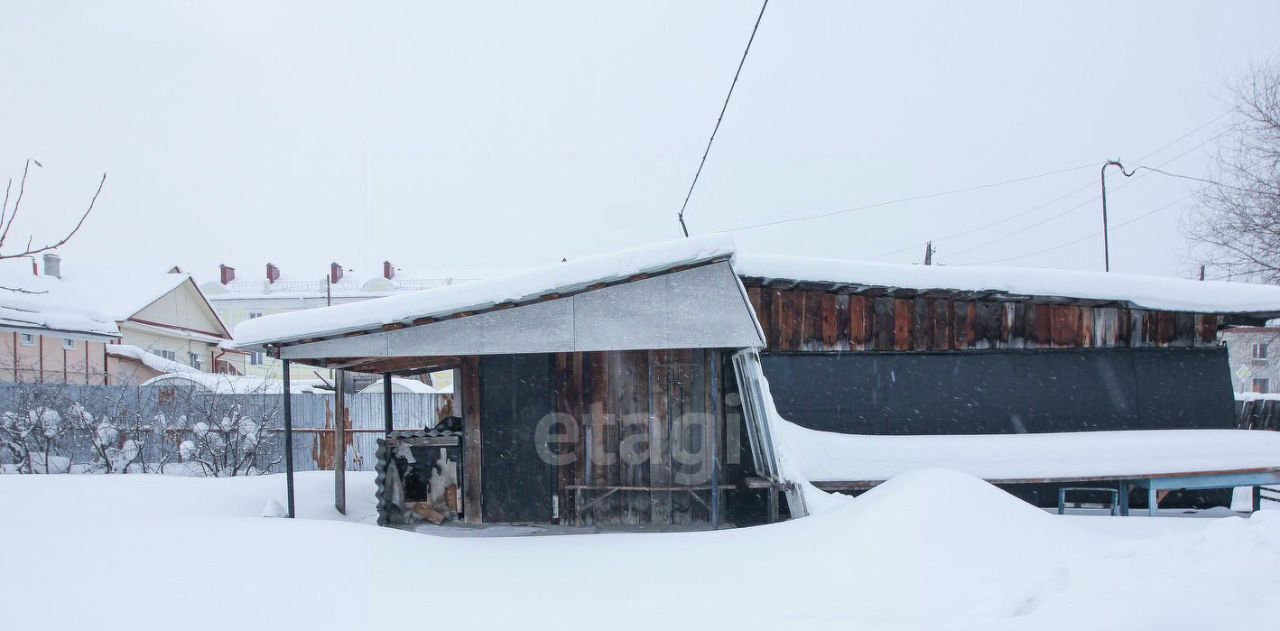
{"x":515,"y":394}
{"x":637,"y":436}
{"x":1003,"y":391}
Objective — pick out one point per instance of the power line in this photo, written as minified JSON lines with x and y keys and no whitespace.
{"x":1089,"y":236}
{"x":909,"y":199}
{"x":988,"y":225}
{"x":723,"y":108}
{"x":1055,"y":200}
{"x":1083,"y":204}
{"x":1193,"y":179}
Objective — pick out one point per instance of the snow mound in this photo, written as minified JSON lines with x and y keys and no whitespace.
{"x":915,"y":532}
{"x":822,"y":456}
{"x":274,"y":509}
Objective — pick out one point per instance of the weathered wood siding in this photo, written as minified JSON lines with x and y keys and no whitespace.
{"x":646,"y":421}
{"x":797,"y":319}
{"x":636,"y":436}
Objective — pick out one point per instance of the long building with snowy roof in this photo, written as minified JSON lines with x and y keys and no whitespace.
{"x":630,"y":348}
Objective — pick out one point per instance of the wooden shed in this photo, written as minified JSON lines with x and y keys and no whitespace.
{"x":592,"y":392}
{"x":629,"y":389}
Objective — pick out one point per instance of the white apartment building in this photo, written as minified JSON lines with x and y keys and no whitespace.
{"x":238,"y":299}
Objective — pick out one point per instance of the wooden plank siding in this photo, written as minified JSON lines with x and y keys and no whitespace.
{"x":805,"y":319}
{"x":638,"y":416}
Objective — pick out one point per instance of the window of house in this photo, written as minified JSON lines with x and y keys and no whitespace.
{"x":69,"y":344}
{"x":196,"y":360}
{"x":28,"y":339}
{"x":1262,"y":386}
{"x":1260,"y":350}
{"x":255,"y":314}
{"x":169,"y":355}
{"x":256,"y":358}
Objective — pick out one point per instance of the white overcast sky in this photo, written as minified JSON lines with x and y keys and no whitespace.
{"x":456,"y":136}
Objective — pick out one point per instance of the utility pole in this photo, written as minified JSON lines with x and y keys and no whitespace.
{"x":1106,"y":237}
{"x":928,"y":253}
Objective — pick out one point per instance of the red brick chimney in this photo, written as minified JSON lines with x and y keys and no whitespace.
{"x":273,"y":273}
{"x":388,"y":270}
{"x":227,"y":274}
{"x":335,"y":273}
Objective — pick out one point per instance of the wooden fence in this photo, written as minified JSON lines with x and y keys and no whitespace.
{"x":1258,"y":414}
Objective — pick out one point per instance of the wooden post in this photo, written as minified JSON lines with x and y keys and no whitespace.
{"x":340,"y":442}
{"x":471,"y":469}
{"x":386,"y":402}
{"x":288,"y":440}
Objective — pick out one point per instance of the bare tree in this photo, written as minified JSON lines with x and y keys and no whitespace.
{"x":9,"y":215}
{"x":1236,"y":227}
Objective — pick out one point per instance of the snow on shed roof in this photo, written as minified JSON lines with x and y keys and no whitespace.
{"x":829,"y":456}
{"x":1151,"y":292}
{"x":558,"y":278}
{"x":47,"y":303}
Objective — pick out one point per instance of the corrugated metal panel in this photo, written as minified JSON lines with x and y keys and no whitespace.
{"x":703,"y":307}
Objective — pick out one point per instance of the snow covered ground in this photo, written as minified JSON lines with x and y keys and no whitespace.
{"x":930,"y":549}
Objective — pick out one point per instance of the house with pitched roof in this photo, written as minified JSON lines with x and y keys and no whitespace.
{"x":87,"y":325}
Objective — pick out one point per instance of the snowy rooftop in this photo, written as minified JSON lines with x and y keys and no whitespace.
{"x":559,"y":278}
{"x":148,"y":359}
{"x":120,"y":294}
{"x":35,"y":302}
{"x":353,"y":285}
{"x":1152,"y":292}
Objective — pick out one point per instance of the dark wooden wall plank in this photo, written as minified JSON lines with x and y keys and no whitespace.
{"x":921,"y":325}
{"x":659,"y":432}
{"x":902,"y":324}
{"x":1208,"y":329}
{"x":633,"y":451}
{"x":861,"y":322}
{"x":830,"y":327}
{"x":471,"y":430}
{"x":842,"y":341}
{"x":811,"y":327}
{"x":882,"y":330}
{"x":940,"y":321}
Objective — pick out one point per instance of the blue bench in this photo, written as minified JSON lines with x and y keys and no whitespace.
{"x":1255,"y":478}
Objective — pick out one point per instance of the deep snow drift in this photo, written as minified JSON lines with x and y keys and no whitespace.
{"x":824,"y":456}
{"x":929,"y":549}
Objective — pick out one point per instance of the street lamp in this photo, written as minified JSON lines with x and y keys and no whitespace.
{"x":1106,"y":237}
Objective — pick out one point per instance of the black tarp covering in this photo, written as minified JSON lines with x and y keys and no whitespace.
{"x":515,"y":393}
{"x":992,"y":392}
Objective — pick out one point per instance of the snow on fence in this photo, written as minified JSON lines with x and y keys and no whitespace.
{"x":128,"y":429}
